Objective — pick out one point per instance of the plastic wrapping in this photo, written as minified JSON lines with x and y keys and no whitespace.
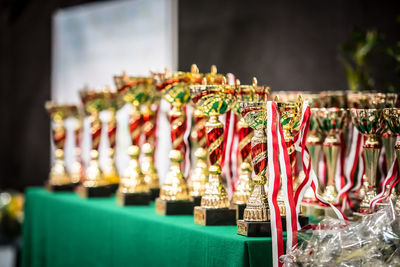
{"x":372,"y":241}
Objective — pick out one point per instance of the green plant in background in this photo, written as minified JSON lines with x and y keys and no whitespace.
{"x":357,"y":54}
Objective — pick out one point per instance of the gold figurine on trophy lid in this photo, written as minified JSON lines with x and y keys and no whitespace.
{"x":392,"y":118}
{"x":214,"y":100}
{"x":59,"y":178}
{"x":112,"y":103}
{"x":199,"y":175}
{"x":174,"y":195}
{"x":135,"y":92}
{"x":94,"y":184}
{"x":252,"y":106}
{"x":371,"y":123}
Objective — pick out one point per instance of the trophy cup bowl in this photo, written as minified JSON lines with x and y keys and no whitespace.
{"x":371,"y":123}
{"x":331,"y":122}
{"x":59,"y":179}
{"x":214,"y":100}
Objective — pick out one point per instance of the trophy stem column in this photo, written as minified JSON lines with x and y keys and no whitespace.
{"x":314,"y":144}
{"x":331,"y":148}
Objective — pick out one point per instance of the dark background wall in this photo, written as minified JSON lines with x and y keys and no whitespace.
{"x":286,"y":44}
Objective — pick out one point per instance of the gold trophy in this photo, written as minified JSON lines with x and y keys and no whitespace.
{"x":199,"y":175}
{"x":392,"y":117}
{"x":59,"y":179}
{"x":112,"y":104}
{"x":331,"y":122}
{"x":149,"y":114}
{"x":95,"y":184}
{"x":133,"y":190}
{"x":77,"y":172}
{"x":256,"y":214}
{"x":290,"y":115}
{"x":214,"y":100}
{"x":314,"y":142}
{"x":244,"y":187}
{"x":174,"y":193}
{"x":371,"y":123}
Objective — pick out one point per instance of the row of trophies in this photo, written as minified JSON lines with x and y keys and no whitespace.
{"x":203,"y":194}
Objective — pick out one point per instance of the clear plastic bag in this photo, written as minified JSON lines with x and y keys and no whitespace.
{"x":373,"y":241}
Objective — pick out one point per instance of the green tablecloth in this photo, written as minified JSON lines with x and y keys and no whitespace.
{"x":62,"y":229}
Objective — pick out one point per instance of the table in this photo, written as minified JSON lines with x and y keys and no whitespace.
{"x":62,"y":229}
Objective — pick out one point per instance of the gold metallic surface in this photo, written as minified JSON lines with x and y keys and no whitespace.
{"x":59,"y":113}
{"x":199,"y":176}
{"x":371,"y":123}
{"x":252,"y":106}
{"x":215,"y":196}
{"x":257,"y":209}
{"x":388,"y":142}
{"x":58,"y":174}
{"x":243,"y":185}
{"x":148,"y":168}
{"x":94,"y":176}
{"x":331,"y":122}
{"x":133,"y":179}
{"x":175,"y":186}
{"x":110,"y":169}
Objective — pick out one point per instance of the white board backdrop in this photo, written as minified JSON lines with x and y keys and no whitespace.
{"x":93,"y":42}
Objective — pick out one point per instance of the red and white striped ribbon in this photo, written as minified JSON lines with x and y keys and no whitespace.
{"x":188,"y":110}
{"x":274,"y":182}
{"x":229,"y":130}
{"x":390,"y":181}
{"x":361,"y":167}
{"x":351,"y":162}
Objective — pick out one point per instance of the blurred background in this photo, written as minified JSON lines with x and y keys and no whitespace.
{"x":289,"y":45}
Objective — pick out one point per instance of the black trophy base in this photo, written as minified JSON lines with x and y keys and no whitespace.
{"x":133,"y":199}
{"x":113,"y":187}
{"x":174,"y":207}
{"x":239,"y":210}
{"x":154,"y":193}
{"x":93,"y":192}
{"x":204,"y":216}
{"x":197,"y":201}
{"x":254,"y":229}
{"x":263,"y":229}
{"x":61,"y":188}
